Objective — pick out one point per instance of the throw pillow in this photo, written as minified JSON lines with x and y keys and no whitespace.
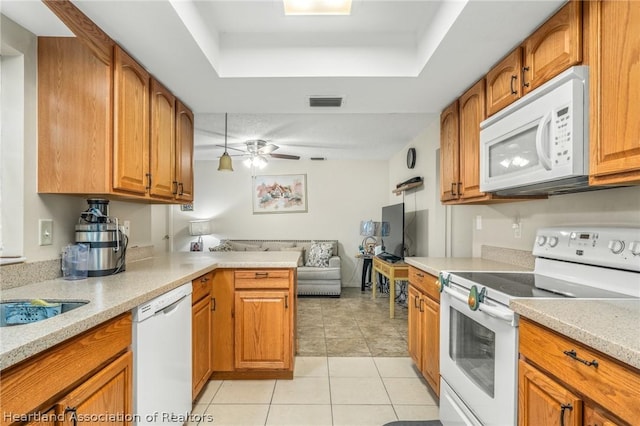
{"x":319,"y":254}
{"x":223,"y":246}
{"x":298,"y":249}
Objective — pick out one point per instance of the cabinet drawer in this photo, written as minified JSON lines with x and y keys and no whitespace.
{"x":382,"y":267}
{"x":266,"y":278}
{"x":201,"y":287}
{"x":611,"y":384}
{"x":425,"y":282}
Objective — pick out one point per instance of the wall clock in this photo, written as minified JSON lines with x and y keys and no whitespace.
{"x":411,"y":158}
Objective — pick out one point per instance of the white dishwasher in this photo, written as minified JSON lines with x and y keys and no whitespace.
{"x":162,"y":358}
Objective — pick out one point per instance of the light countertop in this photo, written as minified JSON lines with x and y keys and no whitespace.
{"x":115,"y":294}
{"x":434,"y":265}
{"x":609,"y":326}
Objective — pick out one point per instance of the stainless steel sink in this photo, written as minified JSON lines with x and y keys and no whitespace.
{"x":65,"y":306}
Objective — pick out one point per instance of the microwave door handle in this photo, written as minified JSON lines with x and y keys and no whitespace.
{"x":542,"y":141}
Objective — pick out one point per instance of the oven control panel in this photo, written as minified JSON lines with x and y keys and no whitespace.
{"x":611,"y":247}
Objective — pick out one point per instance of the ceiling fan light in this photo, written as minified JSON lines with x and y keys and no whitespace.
{"x":225,"y":163}
{"x":247,"y":162}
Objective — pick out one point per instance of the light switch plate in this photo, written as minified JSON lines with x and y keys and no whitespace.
{"x":45,"y":234}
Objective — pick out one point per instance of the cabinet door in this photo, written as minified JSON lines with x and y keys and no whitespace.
{"x":544,"y":402}
{"x":262,"y":329}
{"x":108,"y":392}
{"x":503,"y":82}
{"x":553,"y":47}
{"x":414,"y":332}
{"x":449,"y":156}
{"x":472,"y":112}
{"x":130,"y":125}
{"x":163,"y":142}
{"x":222,"y":313}
{"x":201,"y":341}
{"x":614,"y":85}
{"x":596,"y":418}
{"x":184,"y":152}
{"x":431,"y":343}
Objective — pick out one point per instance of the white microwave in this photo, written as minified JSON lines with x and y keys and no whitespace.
{"x":540,"y":143}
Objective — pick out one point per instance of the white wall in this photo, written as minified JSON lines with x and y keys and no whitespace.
{"x":619,"y":206}
{"x":340,"y":194}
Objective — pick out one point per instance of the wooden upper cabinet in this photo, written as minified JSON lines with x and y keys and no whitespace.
{"x":163,"y":141}
{"x":614,"y":58}
{"x":74,"y":118}
{"x":554,"y":47}
{"x":184,"y":152}
{"x":504,"y":82}
{"x":472,"y":112}
{"x":130,"y":125}
{"x":449,"y":154}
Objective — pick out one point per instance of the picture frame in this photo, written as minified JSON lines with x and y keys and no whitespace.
{"x":279,"y":194}
{"x":196,"y":246}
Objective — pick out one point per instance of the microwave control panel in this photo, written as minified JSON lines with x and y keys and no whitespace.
{"x":562,"y":136}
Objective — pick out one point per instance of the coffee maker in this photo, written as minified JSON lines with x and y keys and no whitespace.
{"x":107,"y":243}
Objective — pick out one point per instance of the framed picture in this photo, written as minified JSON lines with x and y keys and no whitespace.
{"x":196,"y":246}
{"x":280,"y":194}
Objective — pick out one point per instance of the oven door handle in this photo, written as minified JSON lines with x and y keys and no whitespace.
{"x":456,"y":294}
{"x":503,"y":314}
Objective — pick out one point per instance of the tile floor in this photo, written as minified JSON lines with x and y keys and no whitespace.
{"x":352,"y":369}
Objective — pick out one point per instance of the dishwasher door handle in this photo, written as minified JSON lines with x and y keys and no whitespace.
{"x":172,"y":307}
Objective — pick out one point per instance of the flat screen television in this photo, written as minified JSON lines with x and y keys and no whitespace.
{"x":393,"y":232}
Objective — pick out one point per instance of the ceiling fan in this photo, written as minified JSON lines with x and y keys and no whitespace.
{"x":257,"y":151}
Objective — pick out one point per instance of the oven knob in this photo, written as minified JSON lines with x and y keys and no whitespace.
{"x":553,"y":241}
{"x":541,"y":240}
{"x":634,"y":248}
{"x":616,"y":246}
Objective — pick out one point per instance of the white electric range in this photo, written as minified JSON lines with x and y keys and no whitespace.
{"x":479,"y":332}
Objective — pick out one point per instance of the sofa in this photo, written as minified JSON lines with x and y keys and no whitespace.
{"x":316,"y":276}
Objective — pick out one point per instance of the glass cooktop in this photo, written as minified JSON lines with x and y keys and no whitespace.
{"x":528,"y":284}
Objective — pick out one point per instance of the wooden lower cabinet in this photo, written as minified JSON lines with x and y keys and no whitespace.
{"x":90,"y":375}
{"x":424,"y":325}
{"x":253,"y":323}
{"x":262,"y":329}
{"x":543,"y":401}
{"x":201,"y":333}
{"x":104,"y":398}
{"x":560,"y":384}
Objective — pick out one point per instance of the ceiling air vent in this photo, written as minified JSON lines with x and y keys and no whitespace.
{"x":318,"y":101}
{"x":318,"y":158}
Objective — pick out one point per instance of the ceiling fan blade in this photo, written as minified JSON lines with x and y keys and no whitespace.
{"x":268,"y":148}
{"x":285,"y":156}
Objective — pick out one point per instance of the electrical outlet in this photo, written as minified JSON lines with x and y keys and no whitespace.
{"x":45,"y":234}
{"x":126,"y":227}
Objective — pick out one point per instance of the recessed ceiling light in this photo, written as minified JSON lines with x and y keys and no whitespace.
{"x":317,"y":7}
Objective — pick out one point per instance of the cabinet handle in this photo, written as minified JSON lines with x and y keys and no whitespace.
{"x":213,"y":303}
{"x":563,"y":408}
{"x":421,"y":301}
{"x":149,"y":180}
{"x":74,"y":414}
{"x":513,"y":80}
{"x":181,"y":188}
{"x":573,"y":354}
{"x":459,"y":192}
{"x":524,"y":69}
{"x":262,"y":275}
{"x":204,"y":279}
{"x":453,"y":189}
{"x":415,"y":302}
{"x":418,"y":274}
{"x":286,"y":301}
{"x":174,"y":191}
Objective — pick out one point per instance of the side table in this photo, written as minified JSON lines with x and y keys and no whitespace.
{"x":398,"y":271}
